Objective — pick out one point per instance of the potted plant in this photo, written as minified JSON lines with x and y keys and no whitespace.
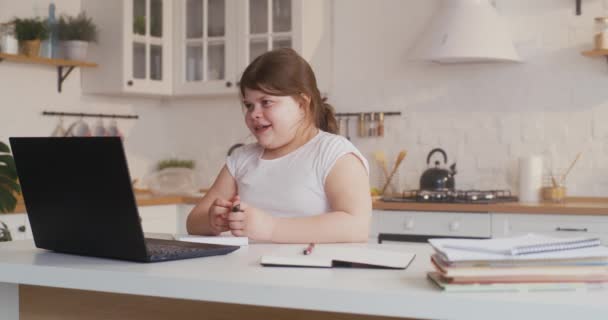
{"x":9,"y":187}
{"x":75,"y":34}
{"x":173,"y":177}
{"x":30,"y":32}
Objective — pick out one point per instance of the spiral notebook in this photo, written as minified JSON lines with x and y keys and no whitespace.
{"x":514,"y":246}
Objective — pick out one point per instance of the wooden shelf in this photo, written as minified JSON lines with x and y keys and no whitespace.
{"x":595,"y":53}
{"x":59,"y":63}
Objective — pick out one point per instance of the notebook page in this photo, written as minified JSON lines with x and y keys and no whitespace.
{"x":530,"y":243}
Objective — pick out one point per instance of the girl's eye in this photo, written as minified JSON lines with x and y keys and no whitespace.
{"x":266,"y":103}
{"x":248,"y":106}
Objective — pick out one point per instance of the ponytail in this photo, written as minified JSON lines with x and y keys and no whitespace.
{"x":327,"y":121}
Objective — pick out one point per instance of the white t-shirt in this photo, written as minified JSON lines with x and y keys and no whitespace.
{"x":292,"y":185}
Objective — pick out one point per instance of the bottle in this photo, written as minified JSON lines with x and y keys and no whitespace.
{"x":50,"y":45}
{"x":380,"y":129}
{"x":362,"y":130}
{"x":372,"y":124}
{"x":601,"y":36}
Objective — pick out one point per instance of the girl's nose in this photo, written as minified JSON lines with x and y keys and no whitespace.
{"x":256,"y":113}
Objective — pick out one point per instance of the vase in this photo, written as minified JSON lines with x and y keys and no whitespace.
{"x":30,"y":48}
{"x":75,"y":50}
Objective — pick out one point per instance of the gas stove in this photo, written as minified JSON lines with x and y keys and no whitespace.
{"x":454,"y":196}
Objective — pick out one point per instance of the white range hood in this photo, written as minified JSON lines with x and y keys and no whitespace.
{"x":467,"y":31}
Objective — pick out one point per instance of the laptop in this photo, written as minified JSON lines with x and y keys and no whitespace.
{"x":79,"y":200}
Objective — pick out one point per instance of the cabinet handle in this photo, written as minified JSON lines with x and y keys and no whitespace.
{"x":571,"y":229}
{"x":21,"y":229}
{"x":130,"y":82}
{"x":228,"y":84}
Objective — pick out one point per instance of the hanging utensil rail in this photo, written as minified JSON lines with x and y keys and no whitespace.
{"x":93,"y":115}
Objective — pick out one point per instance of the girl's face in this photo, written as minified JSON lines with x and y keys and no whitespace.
{"x":273,"y":120}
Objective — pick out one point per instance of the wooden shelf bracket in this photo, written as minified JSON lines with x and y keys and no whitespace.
{"x":61,"y":76}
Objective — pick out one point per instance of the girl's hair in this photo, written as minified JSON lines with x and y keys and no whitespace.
{"x":283,"y":72}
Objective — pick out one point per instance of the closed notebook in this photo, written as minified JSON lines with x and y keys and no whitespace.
{"x":328,"y":256}
{"x":526,"y":244}
{"x":225,"y":240}
{"x":445,"y":285}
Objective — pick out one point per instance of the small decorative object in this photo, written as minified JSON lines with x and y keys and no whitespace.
{"x":76,"y":33}
{"x":174,"y":177}
{"x":8,"y":42}
{"x":30,"y":32}
{"x":601,"y":35}
{"x":9,"y":185}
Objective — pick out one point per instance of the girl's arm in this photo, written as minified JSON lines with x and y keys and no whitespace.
{"x":347,"y":189}
{"x":223,"y":189}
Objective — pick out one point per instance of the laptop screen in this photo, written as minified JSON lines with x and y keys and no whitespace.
{"x":78,"y":196}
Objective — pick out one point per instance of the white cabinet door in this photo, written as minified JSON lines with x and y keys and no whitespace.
{"x":302,"y":25}
{"x":159,"y":219}
{"x":431,"y":223}
{"x":505,"y":224}
{"x":135,"y":49}
{"x":205,"y":47}
{"x":16,"y":225}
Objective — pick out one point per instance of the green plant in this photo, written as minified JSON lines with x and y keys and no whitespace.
{"x":139,"y":25}
{"x":30,"y":29}
{"x":5,"y":233}
{"x":8,"y":180}
{"x":175,"y":163}
{"x":80,"y":28}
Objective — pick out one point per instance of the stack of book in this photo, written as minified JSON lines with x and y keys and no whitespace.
{"x":530,"y":262}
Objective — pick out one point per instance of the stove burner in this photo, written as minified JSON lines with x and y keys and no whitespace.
{"x":454,"y":196}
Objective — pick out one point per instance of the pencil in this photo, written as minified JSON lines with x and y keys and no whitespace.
{"x":308,"y":250}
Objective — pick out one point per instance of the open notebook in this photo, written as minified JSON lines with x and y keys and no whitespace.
{"x":328,"y":256}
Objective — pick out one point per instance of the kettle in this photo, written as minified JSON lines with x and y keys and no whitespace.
{"x":438,"y":178}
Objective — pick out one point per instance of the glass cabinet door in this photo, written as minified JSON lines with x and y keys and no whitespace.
{"x":270,"y":26}
{"x":205,"y":41}
{"x":147,"y":40}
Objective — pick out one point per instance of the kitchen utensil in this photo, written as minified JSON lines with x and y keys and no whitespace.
{"x":400,"y":158}
{"x":563,"y":179}
{"x":112,"y":130}
{"x":437,"y":178}
{"x":98,"y":129}
{"x":381,"y":158}
{"x":78,"y":129}
{"x":59,"y":130}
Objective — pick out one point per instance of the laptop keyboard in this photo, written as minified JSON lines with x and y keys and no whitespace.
{"x":162,"y":250}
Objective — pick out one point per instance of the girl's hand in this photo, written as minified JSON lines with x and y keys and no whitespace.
{"x":251,"y":222}
{"x":218,"y":215}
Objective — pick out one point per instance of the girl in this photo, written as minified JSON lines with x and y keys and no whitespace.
{"x":300,"y":182}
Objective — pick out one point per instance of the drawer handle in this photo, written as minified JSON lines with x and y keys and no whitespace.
{"x":571,"y":229}
{"x":21,"y":229}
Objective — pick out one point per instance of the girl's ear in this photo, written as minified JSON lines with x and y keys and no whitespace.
{"x":304,"y":103}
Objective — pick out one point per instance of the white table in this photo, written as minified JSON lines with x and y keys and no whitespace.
{"x":237,"y":283}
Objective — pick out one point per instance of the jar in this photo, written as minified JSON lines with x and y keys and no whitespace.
{"x":601,"y":33}
{"x":554,"y":188}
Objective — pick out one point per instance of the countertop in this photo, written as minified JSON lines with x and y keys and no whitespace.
{"x":239,"y":278}
{"x":572,"y":206}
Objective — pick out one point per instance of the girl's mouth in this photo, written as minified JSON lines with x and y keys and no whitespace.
{"x":261,"y":128}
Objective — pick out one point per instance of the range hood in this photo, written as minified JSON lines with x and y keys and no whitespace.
{"x":467,"y":31}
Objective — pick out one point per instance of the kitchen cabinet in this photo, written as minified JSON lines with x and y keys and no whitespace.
{"x":134,"y":49}
{"x":203,"y":45}
{"x":217,"y":39}
{"x":456,"y":224}
{"x":505,"y":224}
{"x":18,"y":225}
{"x":165,"y":219}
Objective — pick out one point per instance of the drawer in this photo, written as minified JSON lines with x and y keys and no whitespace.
{"x":431,"y":223}
{"x":556,"y":225}
{"x":16,"y":224}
